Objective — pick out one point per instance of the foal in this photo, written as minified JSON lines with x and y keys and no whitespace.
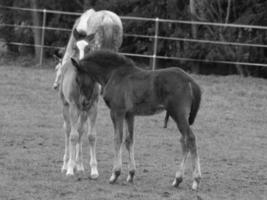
{"x":79,"y":96}
{"x":129,"y":91}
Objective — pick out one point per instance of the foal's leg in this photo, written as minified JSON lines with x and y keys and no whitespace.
{"x":92,"y":141}
{"x":129,"y":143}
{"x":188,"y":141}
{"x":81,"y":130}
{"x":74,"y":137}
{"x":117,"y":120}
{"x":67,"y":128}
{"x":180,"y":173}
{"x":191,"y":142}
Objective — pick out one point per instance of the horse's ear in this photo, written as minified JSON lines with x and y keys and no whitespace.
{"x":77,"y":35}
{"x":90,"y":37}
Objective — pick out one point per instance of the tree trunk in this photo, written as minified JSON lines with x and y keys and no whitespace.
{"x":36,"y":31}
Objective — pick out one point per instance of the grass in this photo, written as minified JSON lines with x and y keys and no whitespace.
{"x":230,"y":127}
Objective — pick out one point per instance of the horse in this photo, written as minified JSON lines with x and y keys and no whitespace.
{"x":80,"y":94}
{"x":93,"y":30}
{"x":130,"y":91}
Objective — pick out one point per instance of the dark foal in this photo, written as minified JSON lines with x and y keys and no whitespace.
{"x":129,"y":91}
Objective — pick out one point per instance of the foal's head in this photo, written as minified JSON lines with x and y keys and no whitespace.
{"x":101,"y":64}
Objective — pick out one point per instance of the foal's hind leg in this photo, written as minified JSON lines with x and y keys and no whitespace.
{"x":129,"y":143}
{"x":67,"y":128}
{"x":92,"y":141}
{"x":188,"y":142}
{"x":180,"y":173}
{"x":117,"y":119}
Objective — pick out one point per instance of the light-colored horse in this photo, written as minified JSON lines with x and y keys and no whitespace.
{"x":79,"y":94}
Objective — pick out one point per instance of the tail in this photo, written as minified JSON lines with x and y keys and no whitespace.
{"x":166,"y":119}
{"x":195,"y":103}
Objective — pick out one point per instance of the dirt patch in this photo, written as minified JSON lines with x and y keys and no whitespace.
{"x":230,"y":128}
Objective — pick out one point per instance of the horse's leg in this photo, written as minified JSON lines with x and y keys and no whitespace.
{"x":67,"y":128}
{"x":129,"y":143}
{"x":191,"y":142}
{"x":188,"y":141}
{"x":92,"y":141}
{"x":117,"y":120}
{"x":180,"y":173}
{"x":74,"y":137}
{"x":81,"y":130}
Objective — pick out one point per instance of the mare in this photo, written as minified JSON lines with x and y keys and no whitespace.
{"x":80,"y":94}
{"x":129,"y":91}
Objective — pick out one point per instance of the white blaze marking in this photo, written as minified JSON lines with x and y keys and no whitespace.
{"x":81,"y":46}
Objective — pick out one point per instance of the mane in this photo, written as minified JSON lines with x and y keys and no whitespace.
{"x":108,"y":59}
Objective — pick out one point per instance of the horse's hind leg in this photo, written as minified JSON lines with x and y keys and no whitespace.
{"x":117,"y":119}
{"x":92,"y":141}
{"x":191,"y":141}
{"x":129,"y":143}
{"x":180,"y":173}
{"x":67,"y":128}
{"x":188,"y":141}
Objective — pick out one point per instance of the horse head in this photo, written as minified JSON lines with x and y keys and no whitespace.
{"x":84,"y":43}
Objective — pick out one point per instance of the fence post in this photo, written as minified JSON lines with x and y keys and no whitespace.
{"x":155,"y":43}
{"x":43,"y":38}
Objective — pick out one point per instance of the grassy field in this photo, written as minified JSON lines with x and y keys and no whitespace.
{"x":231,"y":129}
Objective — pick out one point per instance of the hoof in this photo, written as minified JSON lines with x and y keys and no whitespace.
{"x":55,"y":86}
{"x":80,"y":168}
{"x":130,"y":176}
{"x":70,"y":174}
{"x":63,"y":170}
{"x":114,"y":177}
{"x":94,"y":176}
{"x":195,"y":184}
{"x":177,"y":181}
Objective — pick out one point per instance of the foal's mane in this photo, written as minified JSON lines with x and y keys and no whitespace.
{"x":108,"y":59}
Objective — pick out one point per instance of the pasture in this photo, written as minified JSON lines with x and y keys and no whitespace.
{"x":231,"y":130}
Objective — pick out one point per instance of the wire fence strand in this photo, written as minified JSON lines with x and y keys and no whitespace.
{"x":154,"y":38}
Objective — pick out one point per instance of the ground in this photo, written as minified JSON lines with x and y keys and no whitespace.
{"x":230,"y":128}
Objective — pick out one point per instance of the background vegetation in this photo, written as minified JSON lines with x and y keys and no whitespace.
{"x":224,"y":11}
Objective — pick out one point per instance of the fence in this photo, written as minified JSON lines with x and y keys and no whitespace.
{"x":155,"y":37}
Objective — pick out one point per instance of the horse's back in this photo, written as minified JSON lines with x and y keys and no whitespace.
{"x":108,"y":28}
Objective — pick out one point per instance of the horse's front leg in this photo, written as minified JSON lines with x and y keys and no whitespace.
{"x":129,"y":143}
{"x":74,"y":138}
{"x":67,"y":128}
{"x":92,"y":141}
{"x":117,"y":119}
{"x":81,"y":129}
